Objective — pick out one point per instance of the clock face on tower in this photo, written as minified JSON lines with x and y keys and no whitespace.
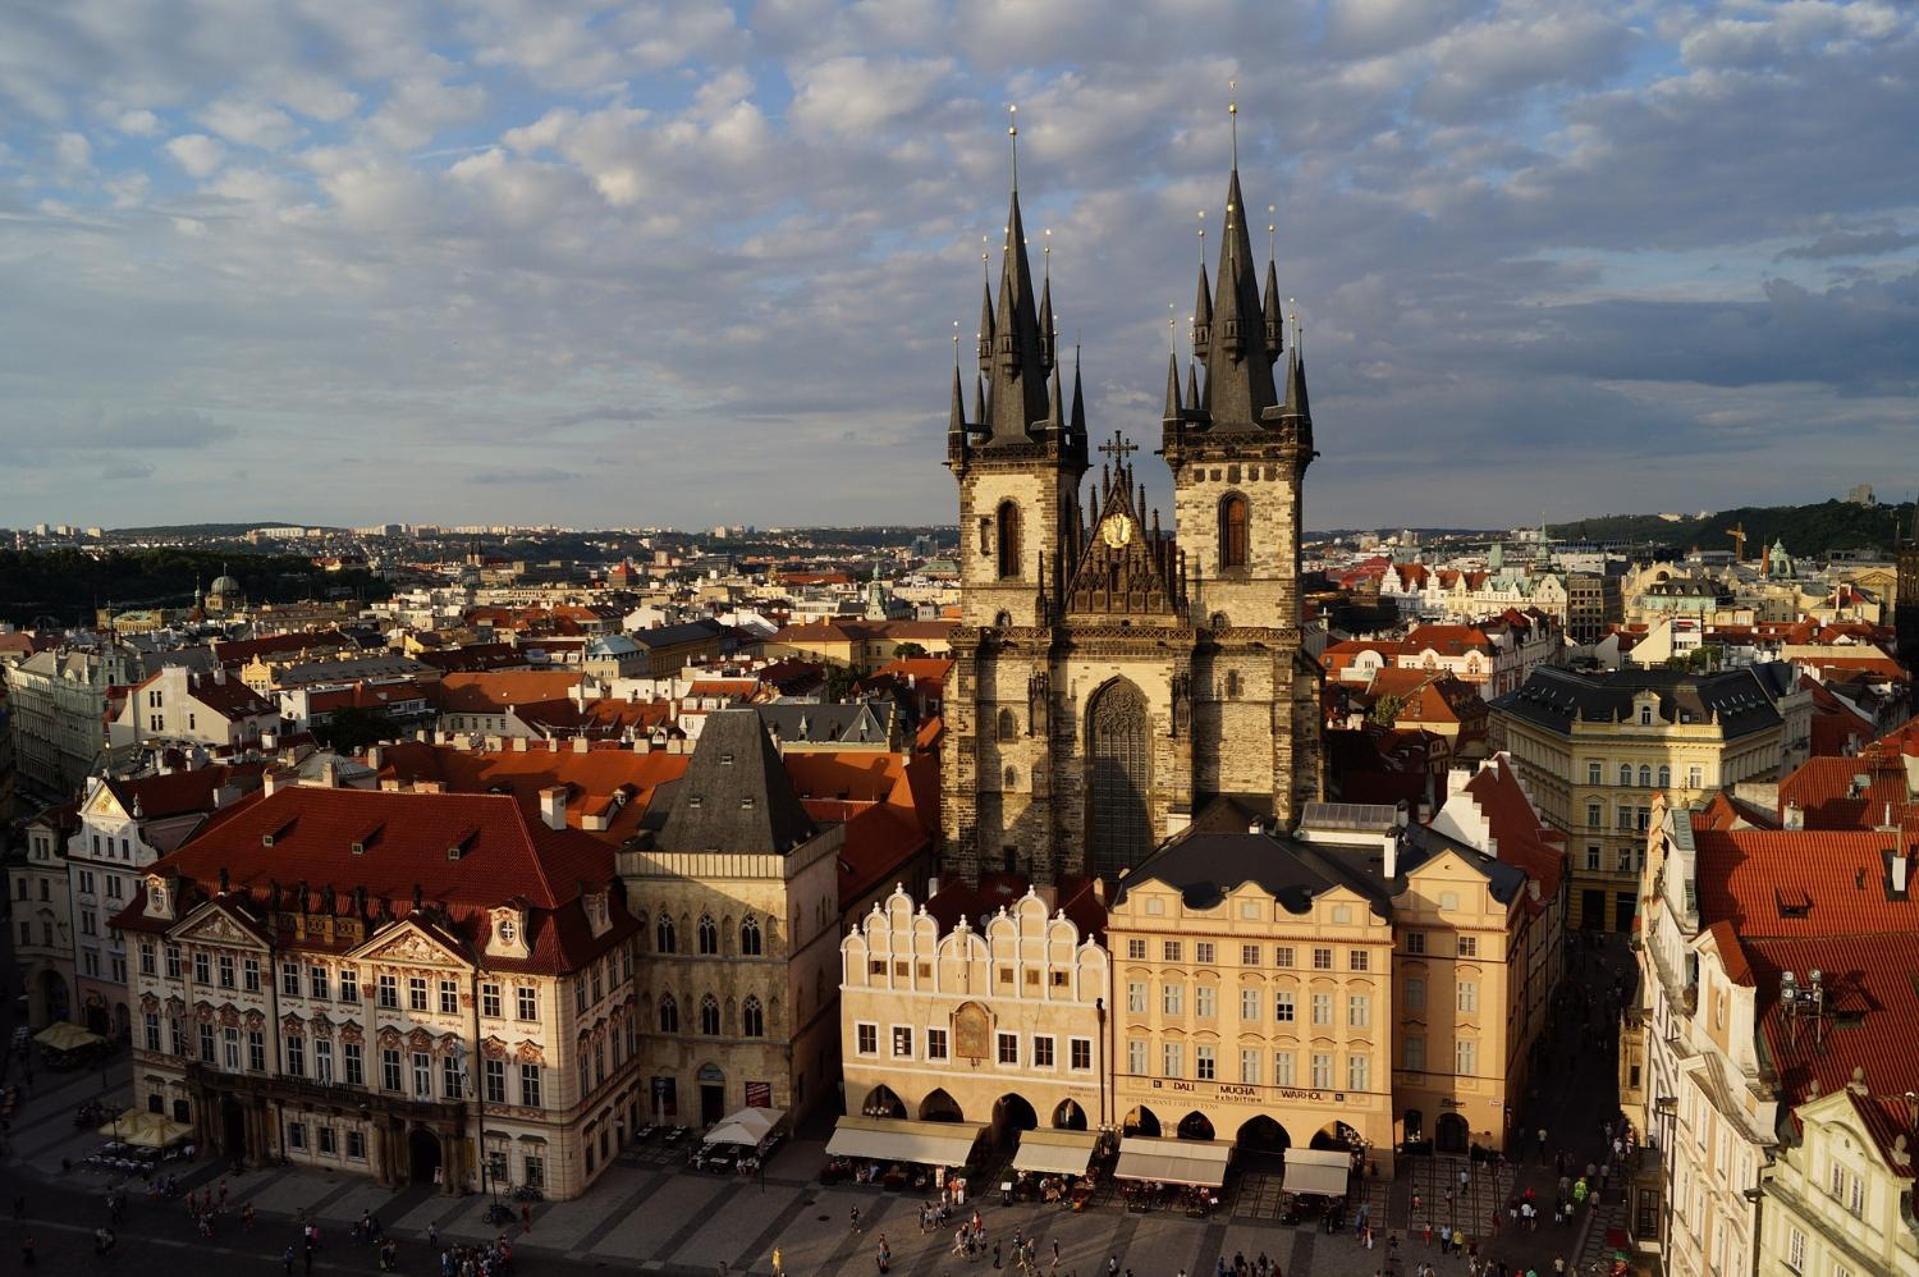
{"x":1116,"y":531}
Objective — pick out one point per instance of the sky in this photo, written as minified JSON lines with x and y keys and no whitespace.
{"x":636,"y":262}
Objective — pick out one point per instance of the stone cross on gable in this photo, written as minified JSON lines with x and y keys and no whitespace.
{"x":1119,"y":449}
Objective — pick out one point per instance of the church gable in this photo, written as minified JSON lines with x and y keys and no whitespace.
{"x":1125,"y":568}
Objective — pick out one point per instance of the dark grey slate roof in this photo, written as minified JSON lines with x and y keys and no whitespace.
{"x":684,"y":632}
{"x":1556,"y":698}
{"x":1205,"y":866}
{"x":735,"y":795}
{"x":854,"y":723}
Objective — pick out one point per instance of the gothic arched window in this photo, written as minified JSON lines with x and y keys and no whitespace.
{"x":667,"y":941}
{"x":710,"y":1016}
{"x":1008,"y":725}
{"x":1008,"y":540}
{"x":1011,"y":778}
{"x":1665,"y":776}
{"x":669,"y":1014}
{"x":752,"y":1018}
{"x":750,"y":937}
{"x":1645,"y":776}
{"x":1119,"y":822}
{"x":1232,"y":531}
{"x":1625,"y":773}
{"x":709,"y":935}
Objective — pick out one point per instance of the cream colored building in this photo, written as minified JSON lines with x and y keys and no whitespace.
{"x":383,"y":984}
{"x":42,"y":916}
{"x":1840,"y":1200}
{"x":1596,"y":751}
{"x":1253,"y":996}
{"x":944,"y":1017}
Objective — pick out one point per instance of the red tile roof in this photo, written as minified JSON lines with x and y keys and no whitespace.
{"x":1798,"y":883}
{"x":185,"y":792}
{"x":1520,"y":835}
{"x":592,"y":777}
{"x":1829,"y":793}
{"x":494,"y":692}
{"x":1447,"y":640}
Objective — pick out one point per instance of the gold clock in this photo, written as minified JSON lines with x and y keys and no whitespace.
{"x":1116,"y":531}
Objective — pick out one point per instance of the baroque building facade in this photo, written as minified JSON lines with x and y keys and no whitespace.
{"x":1103,"y":663}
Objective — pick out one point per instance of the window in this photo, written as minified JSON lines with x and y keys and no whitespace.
{"x":226,"y":971}
{"x":1469,"y":946}
{"x":669,"y":1014}
{"x":1625,"y":773}
{"x":1322,"y":959}
{"x":1625,"y":816}
{"x":1009,"y":1048}
{"x":1595,"y":773}
{"x":490,"y":1001}
{"x":1595,"y":815}
{"x":297,"y":1135}
{"x":1358,"y":1072}
{"x":147,"y":965}
{"x":250,"y":974}
{"x":257,"y":1051}
{"x":1249,"y":1066}
{"x":1645,"y":715}
{"x":416,"y":993}
{"x":1136,"y":997}
{"x":1249,"y":1004}
{"x":1645,"y":776}
{"x":295,"y":1054}
{"x":1283,"y":1074}
{"x":750,"y":938}
{"x":530,"y":1085}
{"x":902,"y":1043}
{"x":1042,"y":1052}
{"x":177,"y":1035}
{"x":752,"y":1018}
{"x":710,"y":1016}
{"x":1592,"y":856}
{"x":1795,"y":1250}
{"x":936,"y":1044}
{"x":1136,"y":950}
{"x":356,"y":1146}
{"x":1322,"y":1008}
{"x":153,"y":1032}
{"x":1205,"y":1001}
{"x":1468,"y":996}
{"x":202,"y":969}
{"x":867,"y":1039}
{"x":326,"y":1134}
{"x":353,"y":1055}
{"x":1283,"y":1006}
{"x":1136,"y":1057}
{"x":709,"y":935}
{"x":1465,"y":1058}
{"x":1359,"y":1013}
{"x":1203,"y":952}
{"x":389,"y":1069}
{"x":1008,"y":527}
{"x":495,"y":1081}
{"x":290,"y":979}
{"x":1283,"y":956}
{"x":322,"y":1060}
{"x":1169,"y":950}
{"x":1695,"y":777}
{"x":663,"y":935}
{"x":1232,"y":531}
{"x":1172,"y":998}
{"x":1665,"y":776}
{"x":389,"y":993}
{"x":1079,"y":1054}
{"x":451,"y":1084}
{"x":1322,"y":1071}
{"x":526,"y":1002}
{"x":1170,"y":1064}
{"x":1205,"y":1063}
{"x":1249,"y":955}
{"x":1413,"y":1054}
{"x":449,"y":998}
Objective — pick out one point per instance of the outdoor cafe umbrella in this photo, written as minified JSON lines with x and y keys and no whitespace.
{"x":66,"y":1036}
{"x":147,"y":1130}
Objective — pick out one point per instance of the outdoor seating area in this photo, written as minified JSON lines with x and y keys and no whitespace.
{"x":1172,"y":1174}
{"x":65,"y":1046}
{"x":740,"y":1143}
{"x":898,"y":1154}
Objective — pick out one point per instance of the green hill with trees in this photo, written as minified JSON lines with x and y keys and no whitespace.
{"x":1806,"y":529}
{"x":68,"y":584}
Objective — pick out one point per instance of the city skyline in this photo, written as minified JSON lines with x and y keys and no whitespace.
{"x":599,"y":264}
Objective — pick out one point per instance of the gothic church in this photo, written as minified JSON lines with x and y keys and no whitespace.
{"x":1116,"y":682}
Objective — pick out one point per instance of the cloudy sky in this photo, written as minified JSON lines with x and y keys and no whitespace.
{"x":604,"y":262}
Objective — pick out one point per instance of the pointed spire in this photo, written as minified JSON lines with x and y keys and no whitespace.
{"x":1203,"y":314}
{"x":979,"y":399}
{"x":1192,"y":386}
{"x":1297,"y":405}
{"x":986,"y":325}
{"x":1019,"y":365}
{"x":1172,"y":388}
{"x":1079,"y":400}
{"x":956,"y":421}
{"x":1239,"y":385}
{"x":1046,"y":334}
{"x":1058,"y":414}
{"x":1275,"y":321}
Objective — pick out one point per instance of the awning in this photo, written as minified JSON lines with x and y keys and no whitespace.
{"x":1318,"y":1171}
{"x":889,"y":1139}
{"x":146,"y":1130}
{"x":749,"y":1127}
{"x":1055,"y":1152}
{"x":1201,"y":1163}
{"x":66,"y":1036}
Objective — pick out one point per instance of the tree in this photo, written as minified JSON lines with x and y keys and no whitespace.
{"x":350,"y":730}
{"x":1386,"y":709}
{"x":839,"y":682}
{"x":908,"y":651}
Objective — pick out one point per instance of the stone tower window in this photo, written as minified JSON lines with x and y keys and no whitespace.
{"x":1009,"y":559}
{"x":1232,"y":531}
{"x":1008,"y":725}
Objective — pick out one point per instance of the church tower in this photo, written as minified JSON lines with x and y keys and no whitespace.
{"x":1115,"y":682}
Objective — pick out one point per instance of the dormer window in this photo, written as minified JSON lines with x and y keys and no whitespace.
{"x":509,"y":931}
{"x":1645,"y":714}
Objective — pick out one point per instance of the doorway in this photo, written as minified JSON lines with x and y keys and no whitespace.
{"x":712,"y":1102}
{"x":1592,"y":910}
{"x":1451,"y":1134}
{"x":423,"y":1156}
{"x":233,"y":1127}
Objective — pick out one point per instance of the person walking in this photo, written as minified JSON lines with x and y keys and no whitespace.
{"x":286,"y":1261}
{"x":526,"y":1217}
{"x":779,"y":1264}
{"x":26,"y":1250}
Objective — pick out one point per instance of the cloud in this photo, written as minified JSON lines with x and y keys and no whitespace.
{"x":516,"y":476}
{"x":160,"y":429}
{"x":72,"y":154}
{"x":138,"y":123}
{"x":249,"y":123}
{"x":121,"y":470}
{"x":197,"y":153}
{"x":1851,"y":244}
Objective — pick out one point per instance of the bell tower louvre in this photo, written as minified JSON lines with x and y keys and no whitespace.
{"x":1116,"y":680}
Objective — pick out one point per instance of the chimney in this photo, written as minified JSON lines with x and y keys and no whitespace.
{"x":553,"y":806}
{"x":330,"y":774}
{"x":1795,"y":816}
{"x":374,"y":755}
{"x":1389,"y":857}
{"x":219,"y":676}
{"x":269,"y":782}
{"x":269,"y":741}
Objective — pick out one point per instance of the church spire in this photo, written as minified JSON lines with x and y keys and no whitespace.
{"x":1202,"y":314}
{"x":1079,"y":400}
{"x":1275,"y":321}
{"x":1018,"y":365}
{"x":1172,"y":388}
{"x":1239,"y":380}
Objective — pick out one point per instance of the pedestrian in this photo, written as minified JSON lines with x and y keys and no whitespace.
{"x":286,"y":1261}
{"x":996,"y":1253}
{"x":26,"y":1250}
{"x":779,"y":1264}
{"x":526,"y":1217}
{"x":433,"y":1235}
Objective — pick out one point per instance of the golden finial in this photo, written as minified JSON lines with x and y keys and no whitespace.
{"x":1047,"y":253}
{"x":1232,"y":110}
{"x":1172,"y":328}
{"x":1202,"y":238}
{"x":1272,"y":226}
{"x":1012,"y":131}
{"x":956,"y":337}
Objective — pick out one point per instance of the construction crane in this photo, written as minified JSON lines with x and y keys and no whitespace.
{"x":1737,"y":534}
